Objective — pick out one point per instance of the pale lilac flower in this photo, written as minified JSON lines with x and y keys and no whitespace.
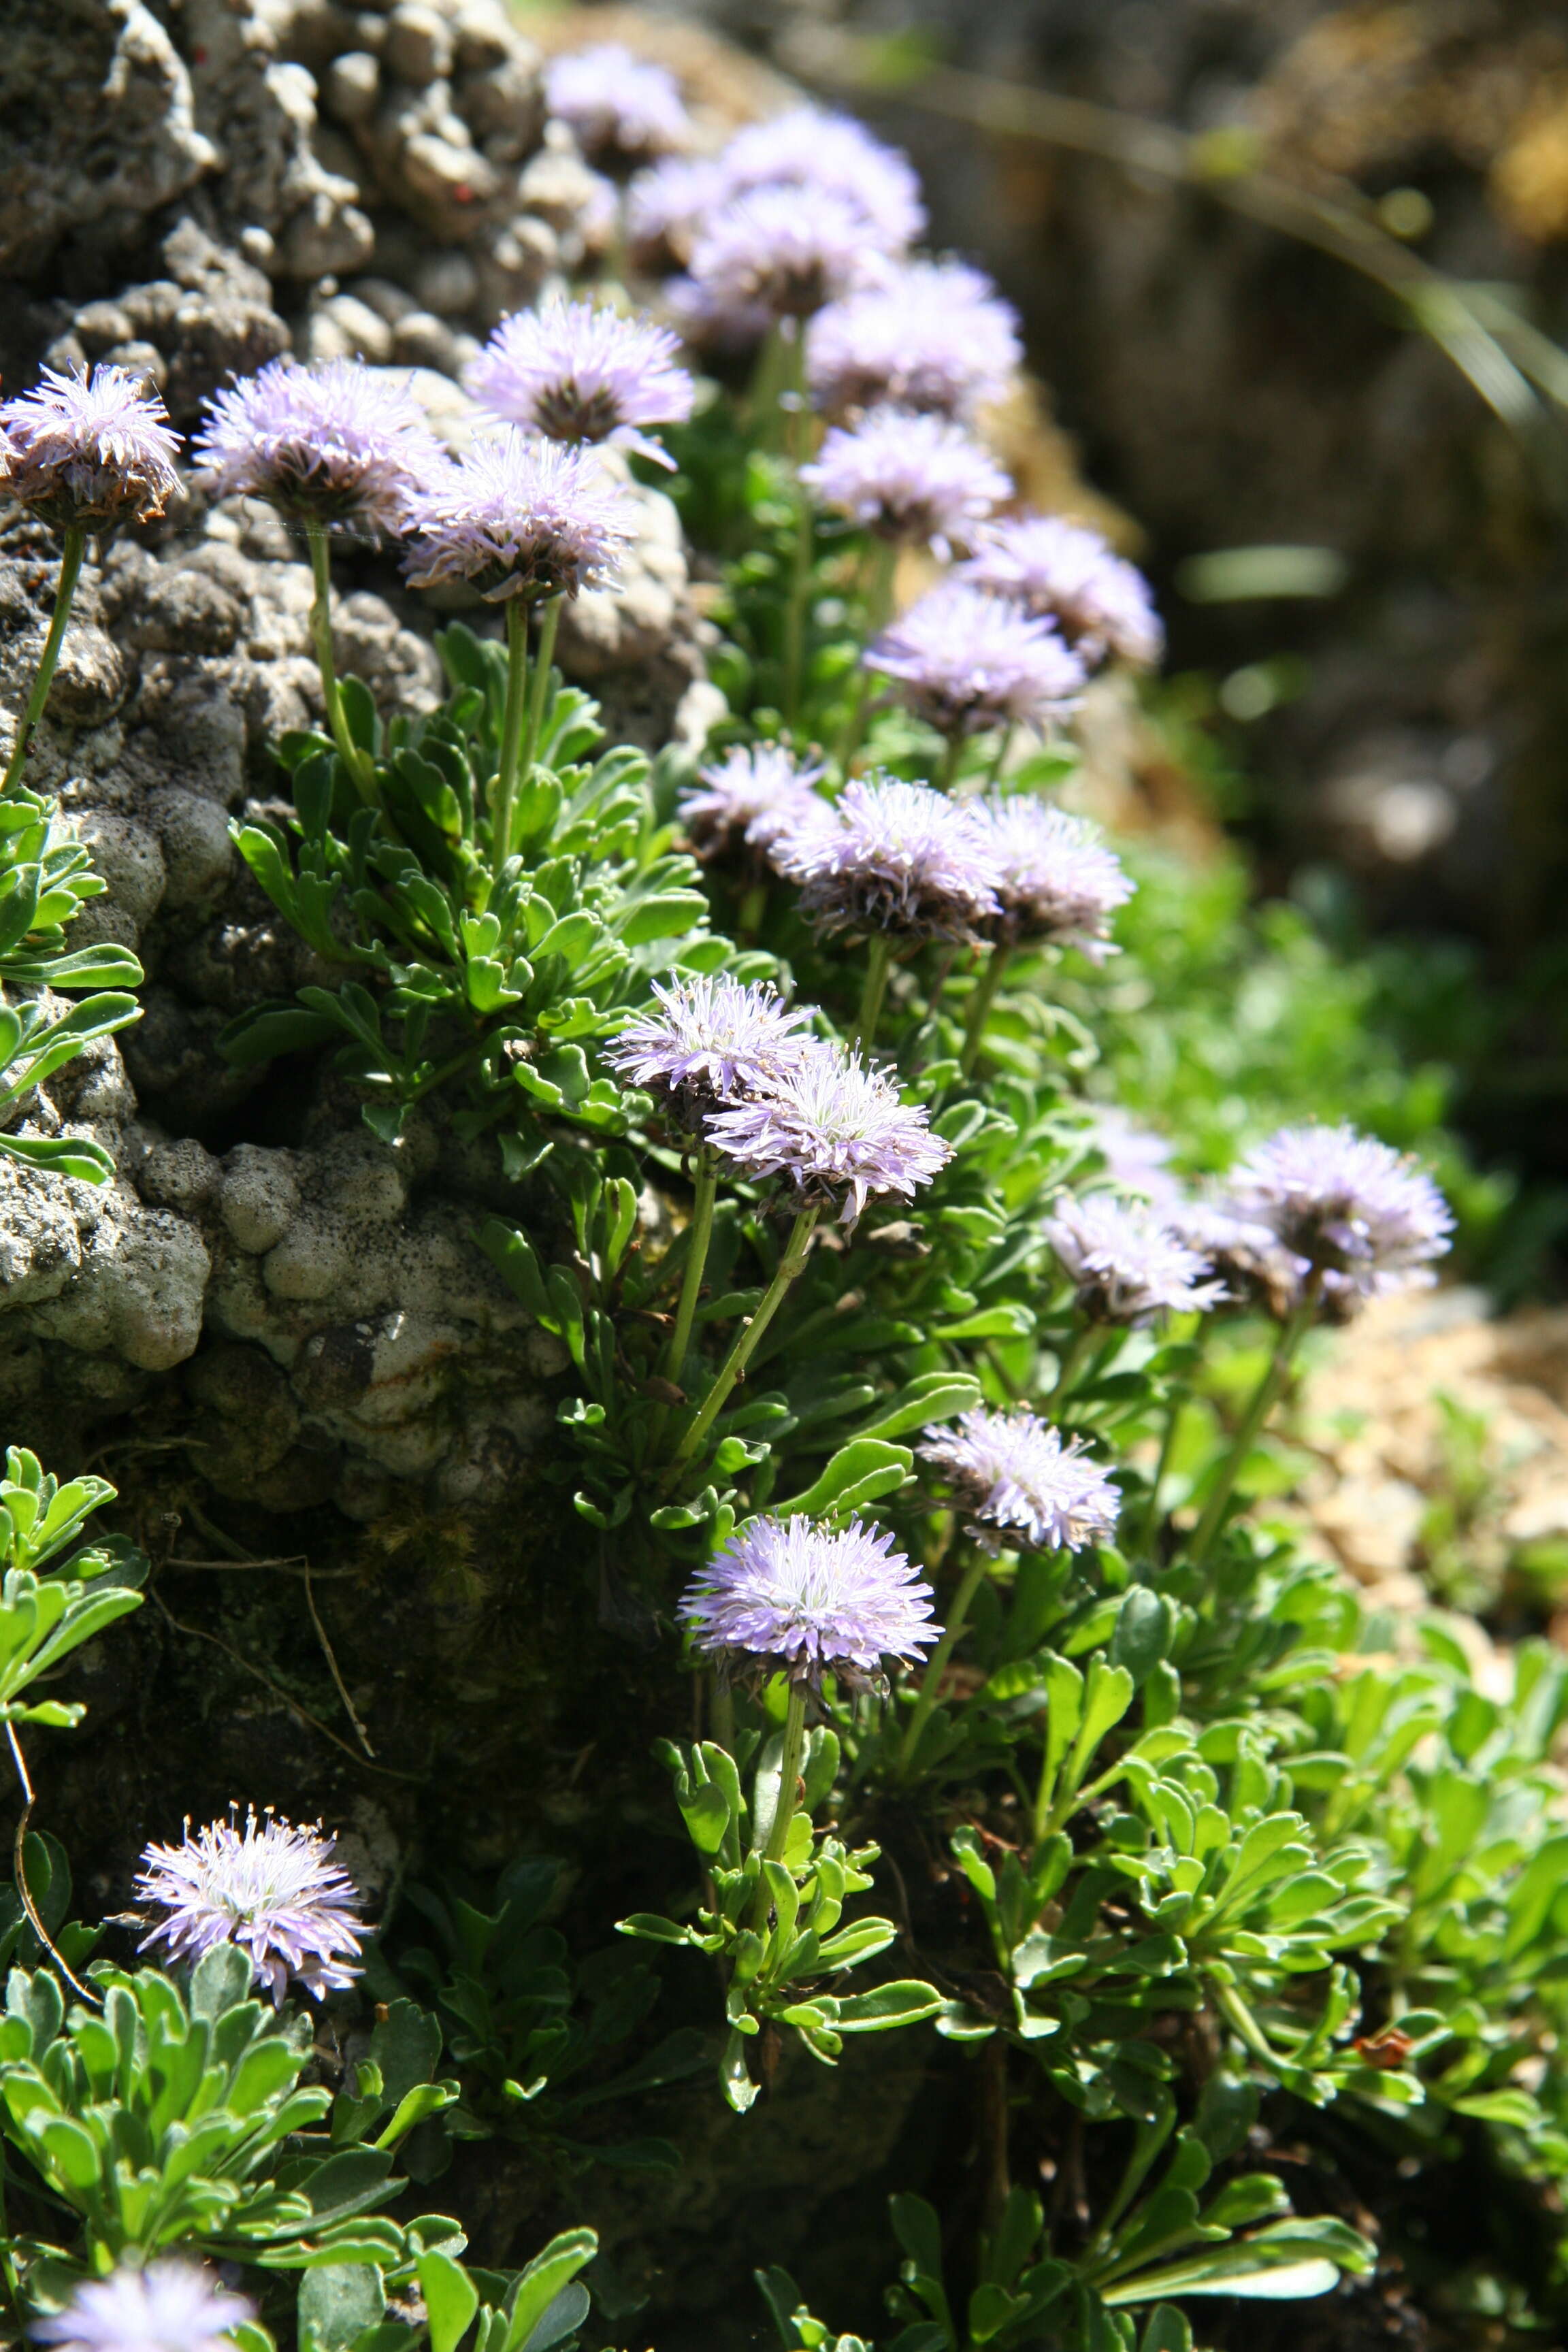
{"x":807,"y":150}
{"x":1057,"y":880}
{"x":837,"y":1130}
{"x":932,"y":335}
{"x":664,"y":207}
{"x":1242,"y":1251}
{"x":620,"y":107}
{"x":169,"y":2306}
{"x":276,"y":1892}
{"x":711,"y":1042}
{"x":1359,"y":1213}
{"x":1022,"y":1485}
{"x":725,"y":330}
{"x":335,"y":442}
{"x":1137,"y":1159}
{"x":1126,"y":1265}
{"x":579,"y":372}
{"x":520,"y":517}
{"x":752,"y":797}
{"x":92,"y":452}
{"x":1067,"y":574}
{"x":779,"y":252}
{"x":966,"y":662}
{"x":790,"y":1593}
{"x":892,"y":857}
{"x":921,"y":479}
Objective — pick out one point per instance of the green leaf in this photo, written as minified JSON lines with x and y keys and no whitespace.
{"x":451,"y":2299}
{"x":903,"y":2003}
{"x":336,"y":2301}
{"x":859,"y":1473}
{"x":543,"y":2279}
{"x":62,"y":1155}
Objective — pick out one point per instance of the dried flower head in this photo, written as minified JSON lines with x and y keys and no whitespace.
{"x":1057,"y":880}
{"x":893,"y":856}
{"x":1022,"y":1484}
{"x":805,"y":149}
{"x":1067,"y":574}
{"x":933,"y":336}
{"x":1126,"y":1265}
{"x":1245,"y":1255}
{"x":809,"y":1600}
{"x":333,"y":443}
{"x":777,"y":252}
{"x":712,"y":1042}
{"x":169,"y":2306}
{"x":964,"y":662}
{"x":520,"y":517}
{"x":664,"y":207}
{"x":919,"y":479}
{"x":89,"y":453}
{"x":1361,"y":1214}
{"x":274,"y":1890}
{"x":620,"y":108}
{"x":757,"y":791}
{"x":837,"y":1130}
{"x":578,"y":371}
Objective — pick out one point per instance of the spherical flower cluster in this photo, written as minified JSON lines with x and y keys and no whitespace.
{"x":1022,"y":1484}
{"x":620,"y":108}
{"x":1067,"y":574}
{"x":1126,"y":1265}
{"x":1137,"y":1159}
{"x":839,"y":1133}
{"x":711,"y":1042}
{"x":520,"y":517}
{"x":790,"y":1594}
{"x":333,"y":443}
{"x":578,"y":371}
{"x":805,"y":149}
{"x":919,"y":479}
{"x":896,"y":857}
{"x":966,"y":662}
{"x":275,"y":1891}
{"x":1362,"y":1216}
{"x":169,"y":2306}
{"x":775,"y":253}
{"x":1247,"y":1255}
{"x":757,"y":793}
{"x":933,"y":336}
{"x":1057,"y":879}
{"x":88,"y":454}
{"x":664,"y":207}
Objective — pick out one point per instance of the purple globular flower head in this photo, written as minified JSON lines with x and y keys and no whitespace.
{"x":1058,"y":880}
{"x":921,"y":481}
{"x":790,"y":1595}
{"x":169,"y":2306}
{"x":1243,"y":1252}
{"x":620,"y":108}
{"x":1125,"y":1265}
{"x":777,"y":252}
{"x":275,"y":1891}
{"x":712,"y":1042}
{"x":579,"y":372}
{"x":1137,"y":1159}
{"x":1067,"y":574}
{"x":755,"y":794}
{"x":932,"y":336}
{"x":664,"y":207}
{"x":1025,"y":1487}
{"x":1363,"y":1217}
{"x":520,"y":517}
{"x":966,"y":662}
{"x":839,"y":1133}
{"x":89,"y":452}
{"x":336,"y":442}
{"x":894,"y":858}
{"x":805,"y":149}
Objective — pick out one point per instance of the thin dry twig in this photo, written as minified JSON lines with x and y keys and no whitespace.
{"x":329,"y":1653}
{"x":25,"y":1893}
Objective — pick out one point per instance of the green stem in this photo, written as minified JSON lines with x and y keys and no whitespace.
{"x":946,"y":775}
{"x":980,"y":1004}
{"x":804,"y":539}
{"x":878,"y":962}
{"x":548,"y":622}
{"x":1079,"y":1348}
{"x":957,"y":1618}
{"x":721,"y":1714}
{"x":1264,"y":1398}
{"x":784,"y":1806}
{"x":753,"y":909}
{"x":512,"y":726}
{"x":1151,"y":1526}
{"x":355,"y":759}
{"x":70,"y":572}
{"x":879,"y":590}
{"x":999,"y":758}
{"x":699,"y":1233}
{"x":746,"y":1339}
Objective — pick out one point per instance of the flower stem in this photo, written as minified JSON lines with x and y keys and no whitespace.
{"x":785,"y":1803}
{"x":980,"y":1004}
{"x":699,"y":1233}
{"x":752,"y":909}
{"x":355,"y":759}
{"x":957,"y":1618}
{"x":1263,"y":1400}
{"x":548,"y":622}
{"x":805,"y":538}
{"x":999,"y":757}
{"x":1150,"y":1528}
{"x":70,"y":572}
{"x":946,"y":775}
{"x":879,"y":590}
{"x":878,"y":961}
{"x":746,"y":1340}
{"x":510,"y":732}
{"x":1078,"y":1348}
